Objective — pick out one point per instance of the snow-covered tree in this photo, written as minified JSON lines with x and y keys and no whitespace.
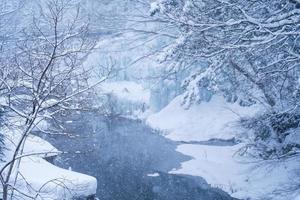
{"x":247,"y":50}
{"x":42,"y":74}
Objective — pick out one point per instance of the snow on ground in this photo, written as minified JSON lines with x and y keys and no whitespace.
{"x":43,"y":180}
{"x":240,"y":178}
{"x":42,"y":148}
{"x":214,"y":119}
{"x":53,"y":182}
{"x":127,"y":90}
{"x":219,"y":165}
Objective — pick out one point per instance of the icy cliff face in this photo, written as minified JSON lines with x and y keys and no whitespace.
{"x":124,"y":98}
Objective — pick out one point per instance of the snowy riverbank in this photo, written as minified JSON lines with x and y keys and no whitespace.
{"x":39,"y":179}
{"x":219,"y":165}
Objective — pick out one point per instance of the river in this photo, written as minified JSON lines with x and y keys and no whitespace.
{"x":129,"y":159}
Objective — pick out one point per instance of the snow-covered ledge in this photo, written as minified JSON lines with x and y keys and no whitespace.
{"x":53,"y":182}
{"x":40,"y":179}
{"x":40,"y":147}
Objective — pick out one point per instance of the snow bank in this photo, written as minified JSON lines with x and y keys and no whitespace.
{"x":240,"y":178}
{"x":51,"y":182}
{"x":36,"y":145}
{"x":42,"y":180}
{"x":207,"y":120}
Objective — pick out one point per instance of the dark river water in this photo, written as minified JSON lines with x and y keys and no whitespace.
{"x":121,"y":153}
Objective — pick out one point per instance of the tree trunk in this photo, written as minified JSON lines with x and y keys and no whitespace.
{"x":5,"y":192}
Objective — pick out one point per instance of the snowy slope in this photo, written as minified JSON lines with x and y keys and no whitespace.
{"x":214,"y":119}
{"x":53,"y":182}
{"x":220,"y":166}
{"x":35,"y":144}
{"x":42,"y":180}
{"x":242,"y":179}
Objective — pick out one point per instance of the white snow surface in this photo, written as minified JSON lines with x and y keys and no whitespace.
{"x":241,"y":178}
{"x":53,"y":182}
{"x":220,"y":166}
{"x":40,"y":147}
{"x":207,"y":120}
{"x":43,"y":180}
